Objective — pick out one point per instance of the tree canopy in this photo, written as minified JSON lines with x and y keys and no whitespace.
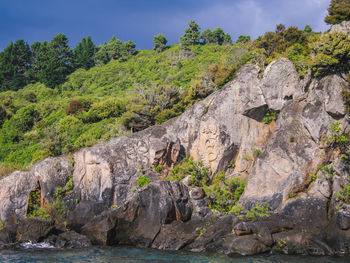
{"x":191,"y":36}
{"x":159,"y":42}
{"x":338,"y":11}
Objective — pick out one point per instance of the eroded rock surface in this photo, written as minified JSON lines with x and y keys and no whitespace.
{"x":281,"y":161}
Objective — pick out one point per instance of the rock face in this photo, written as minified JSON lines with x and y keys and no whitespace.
{"x":224,"y":131}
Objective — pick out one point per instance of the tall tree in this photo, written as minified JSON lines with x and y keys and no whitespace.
{"x":159,"y":42}
{"x":218,"y":35}
{"x":242,"y":39}
{"x":14,"y":65}
{"x":207,"y":36}
{"x":338,"y":11}
{"x":191,"y":36}
{"x":227,"y":39}
{"x":83,"y":54}
{"x":53,"y":61}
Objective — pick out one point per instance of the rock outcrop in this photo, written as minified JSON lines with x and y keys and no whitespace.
{"x":224,"y":131}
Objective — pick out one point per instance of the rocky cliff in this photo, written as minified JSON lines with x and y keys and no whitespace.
{"x":280,"y":133}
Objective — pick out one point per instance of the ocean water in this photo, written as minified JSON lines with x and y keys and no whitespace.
{"x":131,"y":255}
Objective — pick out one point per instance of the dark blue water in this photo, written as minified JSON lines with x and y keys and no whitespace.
{"x":126,"y":255}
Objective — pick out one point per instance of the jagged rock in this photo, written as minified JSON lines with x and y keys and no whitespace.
{"x":245,"y":246}
{"x":224,"y":131}
{"x":69,"y":239}
{"x":153,"y":206}
{"x":52,"y":173}
{"x":343,"y":27}
{"x":289,"y":156}
{"x":14,"y":192}
{"x":15,"y":188}
{"x":33,"y":230}
{"x":280,"y":83}
{"x":343,"y":219}
{"x":83,"y":213}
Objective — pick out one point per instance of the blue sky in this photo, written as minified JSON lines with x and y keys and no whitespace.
{"x":140,"y":20}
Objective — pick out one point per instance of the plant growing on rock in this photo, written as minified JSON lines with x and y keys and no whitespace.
{"x":224,"y":193}
{"x":332,"y":54}
{"x":143,"y":180}
{"x":1,"y":225}
{"x":269,"y":117}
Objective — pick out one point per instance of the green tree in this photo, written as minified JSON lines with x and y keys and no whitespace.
{"x":242,"y":39}
{"x":14,"y":65}
{"x":218,"y":35}
{"x":159,"y":42}
{"x":227,"y":39}
{"x":101,"y":56}
{"x":338,"y":11}
{"x":130,"y":48}
{"x":207,"y":36}
{"x":83,"y":54}
{"x":307,"y":29}
{"x":191,"y":36}
{"x":53,"y":61}
{"x":114,"y":48}
{"x":332,"y":54}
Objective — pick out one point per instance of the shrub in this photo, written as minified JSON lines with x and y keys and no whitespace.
{"x":332,"y":54}
{"x":224,"y":194}
{"x":143,"y":180}
{"x":1,"y":225}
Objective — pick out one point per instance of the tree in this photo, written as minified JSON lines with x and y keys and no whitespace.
{"x":191,"y":36}
{"x":129,"y":48}
{"x":218,"y":35}
{"x":242,"y":39}
{"x":332,"y":54}
{"x":57,"y":62}
{"x":338,"y":11}
{"x":83,"y":54}
{"x":207,"y":36}
{"x":307,"y":29}
{"x":101,"y":56}
{"x":14,"y":65}
{"x":280,"y":28}
{"x":227,"y":39}
{"x":114,"y":48}
{"x":159,"y":42}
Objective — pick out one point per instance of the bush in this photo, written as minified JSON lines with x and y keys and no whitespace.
{"x":332,"y":54}
{"x":143,"y":180}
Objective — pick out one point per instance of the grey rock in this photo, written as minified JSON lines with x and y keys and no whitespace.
{"x":343,"y":27}
{"x":280,"y":83}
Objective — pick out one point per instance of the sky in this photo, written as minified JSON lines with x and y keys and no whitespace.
{"x":140,"y":20}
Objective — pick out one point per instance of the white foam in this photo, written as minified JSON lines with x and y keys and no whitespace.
{"x":30,"y":244}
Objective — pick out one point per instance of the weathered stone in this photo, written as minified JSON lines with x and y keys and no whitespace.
{"x":343,"y":27}
{"x":343,"y":219}
{"x":83,"y":213}
{"x":52,"y":173}
{"x":280,"y":83}
{"x":289,"y":156}
{"x":14,"y":192}
{"x":33,"y":230}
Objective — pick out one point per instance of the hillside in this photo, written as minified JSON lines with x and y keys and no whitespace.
{"x":133,"y":92}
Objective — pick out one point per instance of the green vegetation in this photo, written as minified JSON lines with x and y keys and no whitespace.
{"x":224,"y":193}
{"x":199,"y":174}
{"x":332,"y":54}
{"x":143,"y":180}
{"x":35,"y":210}
{"x":269,"y":117}
{"x":258,"y":210}
{"x":1,"y":225}
{"x":54,"y":100}
{"x":343,"y":196}
{"x":159,"y":42}
{"x":338,"y":11}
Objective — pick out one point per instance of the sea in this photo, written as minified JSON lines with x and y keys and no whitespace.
{"x":44,"y":253}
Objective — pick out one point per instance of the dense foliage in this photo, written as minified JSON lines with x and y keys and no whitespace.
{"x":338,"y":11}
{"x":94,"y":93}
